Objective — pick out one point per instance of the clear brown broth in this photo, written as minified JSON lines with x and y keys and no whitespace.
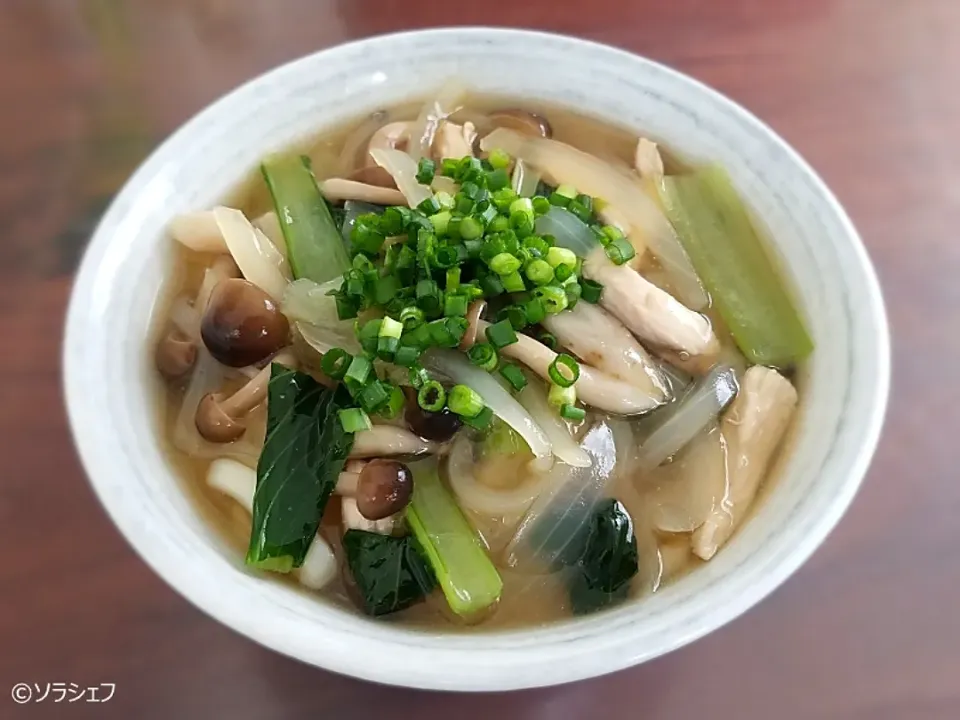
{"x":523,"y":603}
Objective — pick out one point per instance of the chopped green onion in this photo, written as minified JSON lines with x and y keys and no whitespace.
{"x":513,"y":282}
{"x":394,"y":220}
{"x":385,"y":289}
{"x":498,"y":224}
{"x":441,"y":221}
{"x":354,"y":420}
{"x":448,"y":167}
{"x":481,"y":421}
{"x":388,"y":337}
{"x":567,"y":191}
{"x":357,"y":373}
{"x":445,"y":199}
{"x":573,"y":290}
{"x":429,"y":296}
{"x":554,"y":298}
{"x":411,"y":317}
{"x":374,"y":396}
{"x":454,"y":305}
{"x":418,"y":376}
{"x":431,"y":396}
{"x":541,"y":206}
{"x":487,"y":212}
{"x":538,"y":246}
{"x":548,"y":339}
{"x":505,"y":263}
{"x":611,"y":232}
{"x":563,"y":273}
{"x":426,"y":170}
{"x":470,"y":228}
{"x":430,"y":206}
{"x":558,"y":256}
{"x":522,"y":205}
{"x":453,"y":280}
{"x":619,"y":251}
{"x":535,"y":310}
{"x":369,"y":335}
{"x":559,"y":200}
{"x":448,"y":332}
{"x":483,"y":356}
{"x":446,"y":256}
{"x":564,"y":370}
{"x":513,"y":375}
{"x":394,"y":405}
{"x":560,"y":396}
{"x":498,"y":158}
{"x":335,"y":362}
{"x":591,"y":290}
{"x":539,"y":272}
{"x":516,"y":315}
{"x":464,"y":401}
{"x":572,"y":412}
{"x":501,"y":334}
{"x":503,"y":198}
{"x":585,"y":201}
{"x":497,"y":179}
{"x":407,"y":355}
{"x":522,"y":224}
{"x":366,"y":235}
{"x":581,"y":211}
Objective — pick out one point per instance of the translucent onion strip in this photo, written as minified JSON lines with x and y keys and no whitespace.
{"x":403,"y":168}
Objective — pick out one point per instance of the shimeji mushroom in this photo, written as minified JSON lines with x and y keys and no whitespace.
{"x":242,"y":325}
{"x":222,"y":419}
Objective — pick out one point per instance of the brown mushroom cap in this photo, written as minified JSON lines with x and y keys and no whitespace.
{"x":214,"y":423}
{"x":384,"y":488}
{"x":522,"y":121}
{"x":439,"y":426}
{"x":176,"y":353}
{"x":242,"y":325}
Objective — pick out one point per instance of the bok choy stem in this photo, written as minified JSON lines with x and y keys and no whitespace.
{"x":468,"y":578}
{"x":730,"y":259}
{"x":315,"y":246}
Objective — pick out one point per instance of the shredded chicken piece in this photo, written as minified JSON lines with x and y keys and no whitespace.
{"x":650,"y":313}
{"x":454,"y":141}
{"x":753,"y":427}
{"x":647,"y":160}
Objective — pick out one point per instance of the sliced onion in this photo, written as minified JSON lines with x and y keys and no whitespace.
{"x":682,"y":421}
{"x":319,"y":565}
{"x":432,"y":114}
{"x":455,"y":366}
{"x":563,"y":164}
{"x":569,"y":230}
{"x":558,"y":516}
{"x":403,"y":169}
{"x":269,"y":225}
{"x":358,"y":139}
{"x":258,"y":258}
{"x":198,"y":231}
{"x":476,"y":496}
{"x":525,"y":180}
{"x":681,"y":494}
{"x":534,"y":399}
{"x":234,"y":479}
{"x":315,"y":313}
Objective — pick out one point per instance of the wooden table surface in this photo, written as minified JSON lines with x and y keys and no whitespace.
{"x":867,"y":90}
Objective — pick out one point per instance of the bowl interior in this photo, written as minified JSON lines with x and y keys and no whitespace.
{"x":110,"y":380}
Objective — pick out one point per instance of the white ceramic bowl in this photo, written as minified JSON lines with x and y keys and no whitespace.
{"x":109,"y":373}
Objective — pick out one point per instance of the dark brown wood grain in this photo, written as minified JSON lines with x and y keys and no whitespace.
{"x":867,"y":90}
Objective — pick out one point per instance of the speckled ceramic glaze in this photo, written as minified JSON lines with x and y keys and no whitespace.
{"x":110,"y":380}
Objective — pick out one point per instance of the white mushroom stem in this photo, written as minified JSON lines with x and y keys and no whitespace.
{"x":753,"y":427}
{"x":354,"y":520}
{"x":600,"y":340}
{"x":595,"y":388}
{"x":347,"y":483}
{"x":648,"y":312}
{"x":319,"y":565}
{"x":386,"y":440}
{"x":339,"y":189}
{"x":255,"y":391}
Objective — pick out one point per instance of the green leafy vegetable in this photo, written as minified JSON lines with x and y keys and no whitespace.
{"x":727,"y":254}
{"x":608,"y":560}
{"x":304,"y":451}
{"x":390,"y":572}
{"x":314,"y":243}
{"x":468,"y":579}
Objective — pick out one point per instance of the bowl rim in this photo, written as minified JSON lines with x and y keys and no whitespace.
{"x":598,"y":663}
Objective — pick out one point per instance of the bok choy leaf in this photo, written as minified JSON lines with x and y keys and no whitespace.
{"x":303,"y":454}
{"x":390,"y":572}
